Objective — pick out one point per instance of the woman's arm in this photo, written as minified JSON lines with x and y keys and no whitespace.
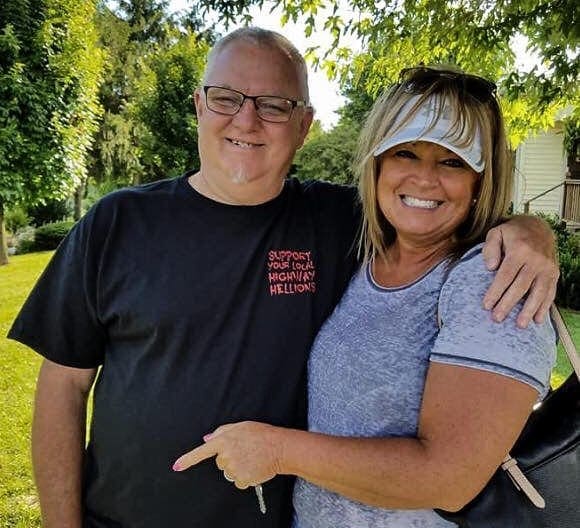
{"x":469,"y":420}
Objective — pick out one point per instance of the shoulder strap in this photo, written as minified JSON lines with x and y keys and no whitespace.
{"x":509,"y":464}
{"x":566,"y":339}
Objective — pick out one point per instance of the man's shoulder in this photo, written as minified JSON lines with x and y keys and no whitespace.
{"x":323,"y":188}
{"x":138,"y":197}
{"x":327,"y":196}
{"x":143,"y":191}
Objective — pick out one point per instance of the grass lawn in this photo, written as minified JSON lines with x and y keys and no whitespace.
{"x":19,"y":366}
{"x":563,"y":367}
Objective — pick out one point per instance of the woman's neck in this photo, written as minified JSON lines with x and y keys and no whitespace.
{"x":405,"y":263}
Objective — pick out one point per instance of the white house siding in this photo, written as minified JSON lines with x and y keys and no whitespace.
{"x":540,"y":164}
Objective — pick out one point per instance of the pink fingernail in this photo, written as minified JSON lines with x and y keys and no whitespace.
{"x":176,"y":466}
{"x":206,"y":437}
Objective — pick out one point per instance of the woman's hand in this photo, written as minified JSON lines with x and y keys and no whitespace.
{"x":523,"y":251}
{"x":247,"y":452}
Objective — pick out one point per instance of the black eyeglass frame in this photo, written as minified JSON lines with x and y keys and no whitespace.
{"x":254,"y":98}
{"x":420,"y":78}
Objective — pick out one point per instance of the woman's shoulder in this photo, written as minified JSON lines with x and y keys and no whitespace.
{"x":470,"y":337}
{"x":469,"y":273}
{"x":471,"y":260}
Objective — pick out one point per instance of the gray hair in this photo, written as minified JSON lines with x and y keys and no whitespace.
{"x":264,"y":38}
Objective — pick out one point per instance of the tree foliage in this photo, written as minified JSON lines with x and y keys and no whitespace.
{"x":328,"y":155}
{"x":165,"y":107}
{"x":49,"y":73}
{"x":472,"y":34}
{"x":149,"y":130}
{"x":146,"y":18}
{"x":116,"y":153}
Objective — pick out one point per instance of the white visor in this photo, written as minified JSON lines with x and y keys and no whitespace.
{"x":423,"y":128}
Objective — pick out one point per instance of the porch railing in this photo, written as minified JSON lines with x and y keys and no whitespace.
{"x":571,"y":202}
{"x":570,"y":210}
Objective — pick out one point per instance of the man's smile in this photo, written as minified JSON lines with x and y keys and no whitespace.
{"x":244,"y":144}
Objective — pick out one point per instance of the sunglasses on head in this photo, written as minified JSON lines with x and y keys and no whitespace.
{"x":422,"y":78}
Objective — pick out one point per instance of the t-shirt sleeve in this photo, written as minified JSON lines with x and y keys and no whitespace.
{"x":470,"y":338}
{"x":59,"y":320}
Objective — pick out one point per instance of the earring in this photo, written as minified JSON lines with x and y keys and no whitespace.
{"x":473,"y":202}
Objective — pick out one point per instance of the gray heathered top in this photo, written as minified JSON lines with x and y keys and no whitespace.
{"x":368,"y":365}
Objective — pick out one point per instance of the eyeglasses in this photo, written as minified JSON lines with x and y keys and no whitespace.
{"x":268,"y":107}
{"x":421,"y":78}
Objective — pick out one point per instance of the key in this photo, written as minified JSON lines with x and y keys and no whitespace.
{"x":260,"y":495}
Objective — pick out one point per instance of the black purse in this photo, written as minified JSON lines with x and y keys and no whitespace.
{"x":538,"y":483}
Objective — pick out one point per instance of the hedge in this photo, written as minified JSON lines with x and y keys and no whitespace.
{"x":49,"y":236}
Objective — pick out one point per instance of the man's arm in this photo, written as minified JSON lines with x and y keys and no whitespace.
{"x":58,"y":442}
{"x":523,"y":250}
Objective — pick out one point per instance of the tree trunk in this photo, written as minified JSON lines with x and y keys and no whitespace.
{"x":79,"y":193}
{"x":3,"y":246}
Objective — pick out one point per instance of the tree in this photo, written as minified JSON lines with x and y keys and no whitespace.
{"x":328,"y":155}
{"x":473,"y":34}
{"x":149,"y":130}
{"x":315,"y":131}
{"x":49,"y":74}
{"x":116,"y":155}
{"x":146,"y":18}
{"x":164,"y":106}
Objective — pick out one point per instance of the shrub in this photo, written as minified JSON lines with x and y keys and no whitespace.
{"x":568,"y":294}
{"x":574,"y":244}
{"x":49,"y":236}
{"x":49,"y":212}
{"x":95,"y":191}
{"x":24,"y":240}
{"x":568,"y":245}
{"x":16,"y":218}
{"x":559,"y":228}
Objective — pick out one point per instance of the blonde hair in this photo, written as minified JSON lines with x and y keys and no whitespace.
{"x":493,"y":194}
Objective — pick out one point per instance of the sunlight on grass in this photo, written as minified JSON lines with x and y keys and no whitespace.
{"x":563,"y":367}
{"x":19,"y":367}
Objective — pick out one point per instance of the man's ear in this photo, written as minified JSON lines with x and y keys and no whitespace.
{"x":305,"y":123}
{"x":199,"y":108}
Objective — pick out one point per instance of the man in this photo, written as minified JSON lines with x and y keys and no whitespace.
{"x":199,"y":298}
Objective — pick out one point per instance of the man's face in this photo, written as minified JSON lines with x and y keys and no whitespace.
{"x":243,"y":150}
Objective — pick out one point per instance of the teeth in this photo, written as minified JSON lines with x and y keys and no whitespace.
{"x":241,"y":143}
{"x":416,"y":202}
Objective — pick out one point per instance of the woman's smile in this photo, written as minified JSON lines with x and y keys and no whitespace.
{"x":425,"y":191}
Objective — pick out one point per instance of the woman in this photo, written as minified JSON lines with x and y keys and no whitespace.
{"x":406,"y":415}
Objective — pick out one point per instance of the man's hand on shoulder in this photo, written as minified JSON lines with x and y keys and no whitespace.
{"x":523,"y":251}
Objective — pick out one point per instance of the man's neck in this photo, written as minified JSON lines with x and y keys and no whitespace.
{"x":242,"y":193}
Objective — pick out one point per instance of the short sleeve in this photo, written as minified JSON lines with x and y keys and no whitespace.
{"x":470,"y":338}
{"x":59,"y":320}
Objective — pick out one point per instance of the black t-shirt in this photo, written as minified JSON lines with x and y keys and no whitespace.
{"x":200,"y":314}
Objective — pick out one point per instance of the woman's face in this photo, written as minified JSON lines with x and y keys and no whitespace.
{"x":425,"y":191}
